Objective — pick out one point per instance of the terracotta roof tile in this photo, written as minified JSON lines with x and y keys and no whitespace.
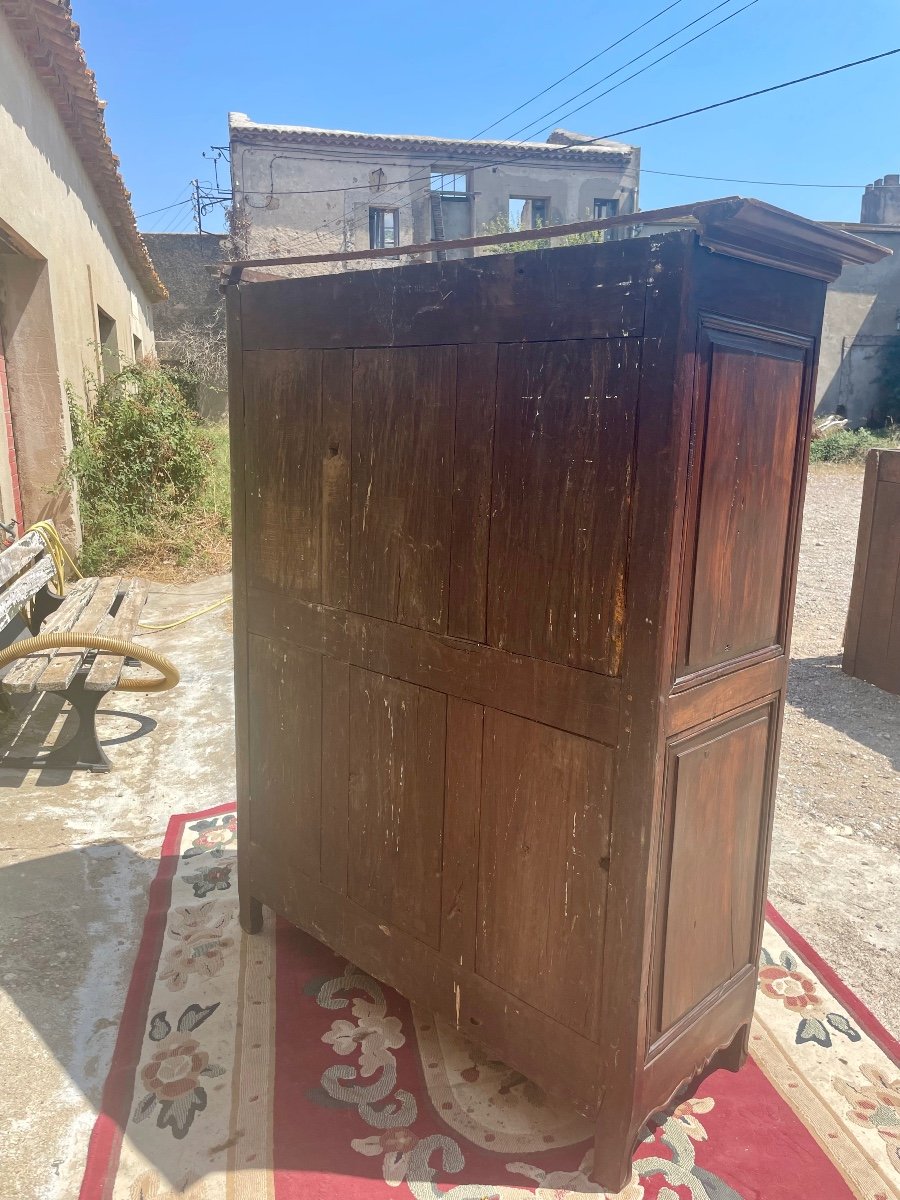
{"x":244,"y":129}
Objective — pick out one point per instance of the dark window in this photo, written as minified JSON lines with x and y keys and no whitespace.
{"x":605,"y":208}
{"x":384,"y":227}
{"x":109,"y":344}
{"x":528,"y":212}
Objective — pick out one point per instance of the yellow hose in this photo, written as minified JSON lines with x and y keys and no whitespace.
{"x":167,"y":678}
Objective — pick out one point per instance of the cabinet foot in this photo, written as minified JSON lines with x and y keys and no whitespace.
{"x":251,"y":915}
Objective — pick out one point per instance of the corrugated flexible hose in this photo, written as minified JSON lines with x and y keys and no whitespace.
{"x":168,"y":673}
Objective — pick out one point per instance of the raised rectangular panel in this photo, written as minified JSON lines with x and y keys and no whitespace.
{"x":749,"y":413}
{"x":718,"y":785}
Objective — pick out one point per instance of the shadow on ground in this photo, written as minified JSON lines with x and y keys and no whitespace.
{"x":819,"y":689}
{"x":39,"y":722}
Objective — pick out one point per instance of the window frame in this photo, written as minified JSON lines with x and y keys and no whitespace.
{"x":377,"y":215}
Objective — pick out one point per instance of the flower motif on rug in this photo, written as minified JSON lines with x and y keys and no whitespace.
{"x":372,"y":1034}
{"x":876,"y":1105}
{"x":173,"y":1073}
{"x":215,"y":835}
{"x":216,"y":878}
{"x":424,"y":1162}
{"x":200,"y":944}
{"x":783,"y":982}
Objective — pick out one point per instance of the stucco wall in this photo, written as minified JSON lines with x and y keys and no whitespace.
{"x":69,"y":263}
{"x":328,"y":220}
{"x":861,"y":316}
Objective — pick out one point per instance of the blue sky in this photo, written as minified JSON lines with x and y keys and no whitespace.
{"x":171,"y":72}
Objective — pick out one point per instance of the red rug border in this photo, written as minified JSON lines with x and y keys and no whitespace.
{"x":830,"y":978}
{"x":105,"y":1141}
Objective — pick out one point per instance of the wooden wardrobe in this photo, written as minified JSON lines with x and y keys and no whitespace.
{"x":515,"y":550}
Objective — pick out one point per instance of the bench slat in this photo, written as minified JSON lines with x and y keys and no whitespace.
{"x":104,"y":674}
{"x":61,"y":671}
{"x":20,"y":554}
{"x":12,"y":599}
{"x":24,"y":675}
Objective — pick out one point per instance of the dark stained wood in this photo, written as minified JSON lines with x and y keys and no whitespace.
{"x":284,"y":471}
{"x":581,"y":702}
{"x":335,"y":826}
{"x":872,"y":639}
{"x":554,"y":1056}
{"x":402,"y":484}
{"x":750,"y":397}
{"x":337,"y":385}
{"x":286,"y":754}
{"x":563,"y":449}
{"x":462,"y":814}
{"x":240,"y":430}
{"x":544,"y":844}
{"x":556,"y":497}
{"x":476,"y":381}
{"x":397,"y":735}
{"x":715,"y":803}
{"x":502,"y":298}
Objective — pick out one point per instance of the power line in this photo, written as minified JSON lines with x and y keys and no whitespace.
{"x":687,"y":113}
{"x":755,"y":182}
{"x":409,"y":202}
{"x":746,"y":96}
{"x":420,"y":178}
{"x":587,"y":62}
{"x":534,"y":123}
{"x":165,"y":208}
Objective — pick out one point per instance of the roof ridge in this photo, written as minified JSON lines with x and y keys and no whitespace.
{"x":239,"y":124}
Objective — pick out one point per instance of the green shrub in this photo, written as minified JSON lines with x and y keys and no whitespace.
{"x":140,"y":460}
{"x":851,"y":445}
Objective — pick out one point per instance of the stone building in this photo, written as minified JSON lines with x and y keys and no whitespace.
{"x":300,"y":190}
{"x":862,"y":311}
{"x":195,"y":310}
{"x":76,"y":282}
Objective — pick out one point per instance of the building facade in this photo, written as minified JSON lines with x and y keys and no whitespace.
{"x":299,"y":190}
{"x":77,"y":285}
{"x":862,"y":312}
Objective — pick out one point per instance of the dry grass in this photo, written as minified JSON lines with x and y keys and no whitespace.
{"x":200,"y":543}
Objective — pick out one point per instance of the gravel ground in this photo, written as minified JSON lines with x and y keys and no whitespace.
{"x":835,"y":871}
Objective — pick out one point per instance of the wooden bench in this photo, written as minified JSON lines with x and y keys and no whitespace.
{"x":110,"y":606}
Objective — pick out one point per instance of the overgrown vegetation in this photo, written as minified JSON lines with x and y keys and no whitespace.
{"x":152,"y":480}
{"x":852,"y":445}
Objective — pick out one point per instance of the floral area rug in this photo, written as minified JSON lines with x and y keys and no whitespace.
{"x":266,"y":1068}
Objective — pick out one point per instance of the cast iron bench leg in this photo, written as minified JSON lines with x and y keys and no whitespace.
{"x":82,"y":749}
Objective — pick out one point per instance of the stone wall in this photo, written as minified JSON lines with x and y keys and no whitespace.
{"x":187,"y":264}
